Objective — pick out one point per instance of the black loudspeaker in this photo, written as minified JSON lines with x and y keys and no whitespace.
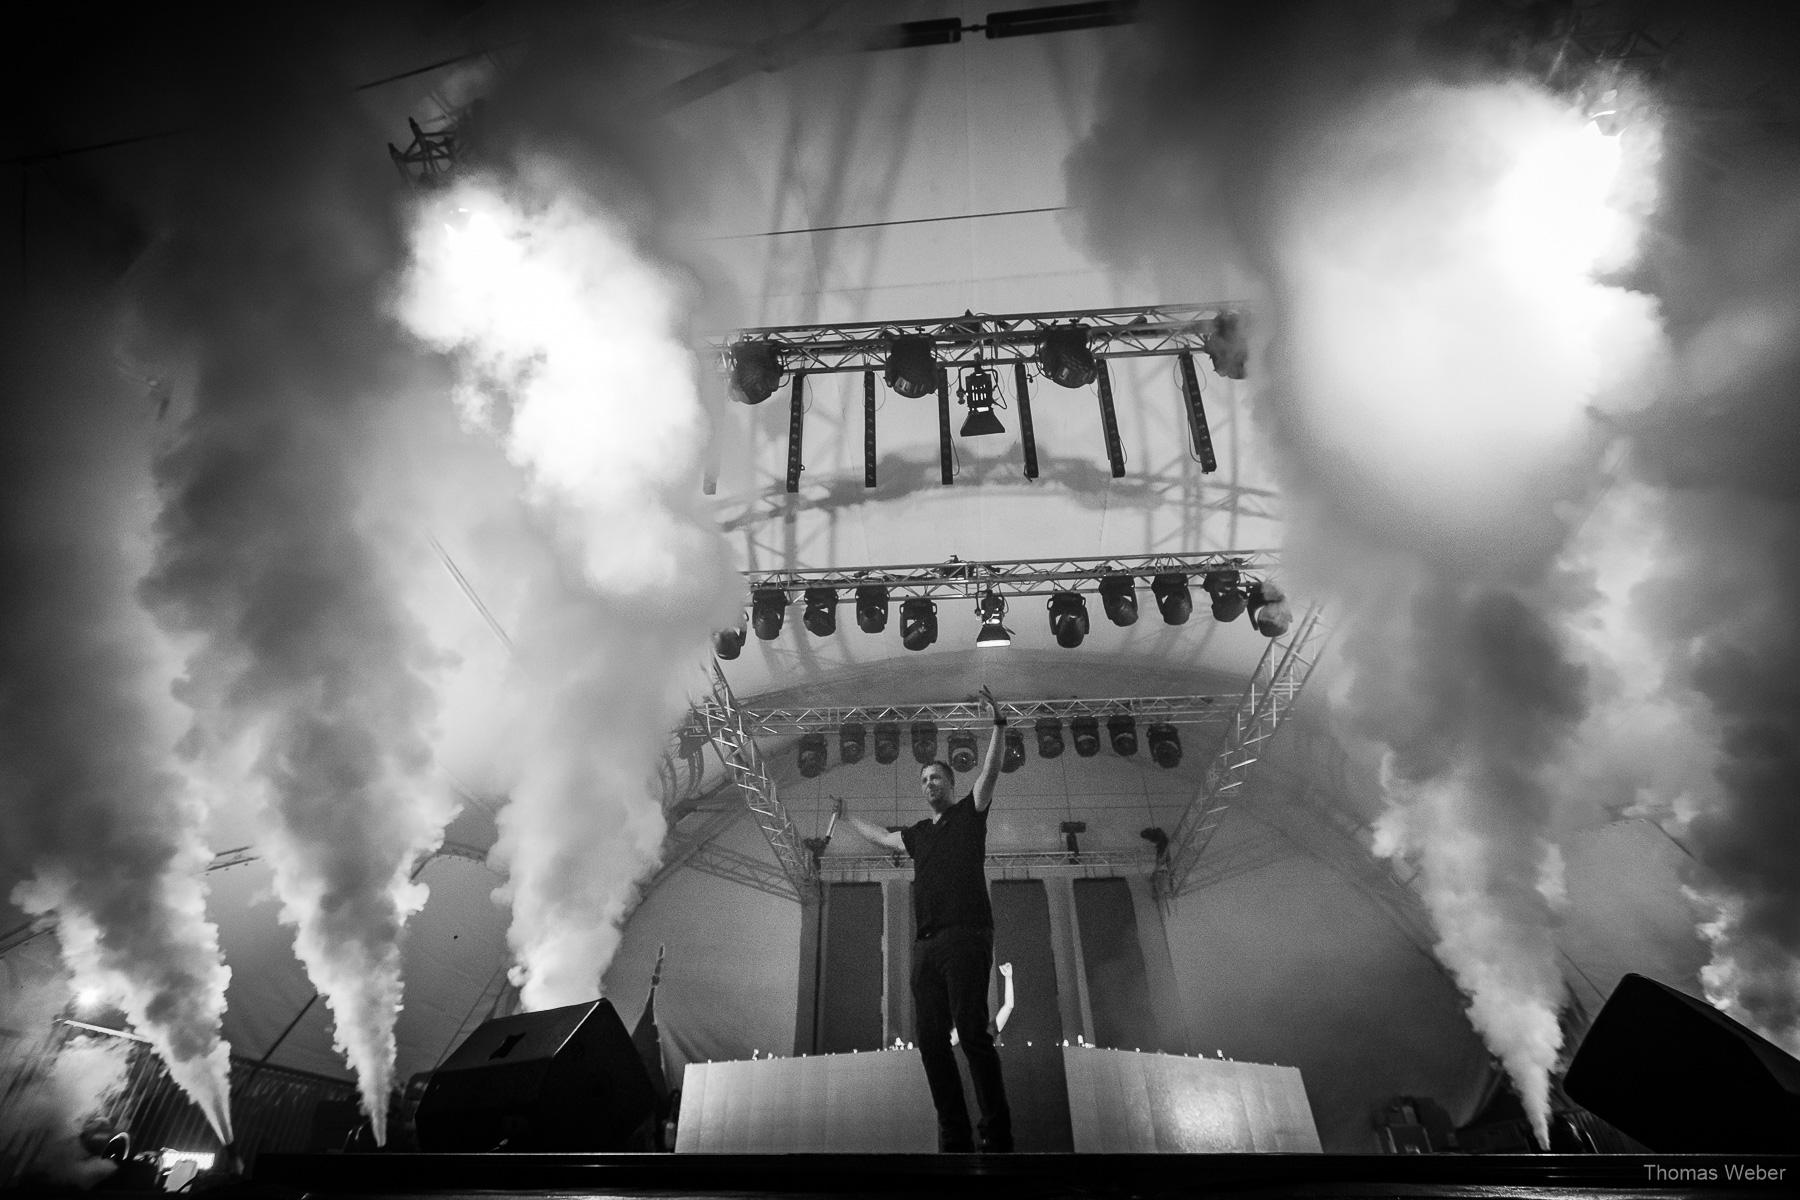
{"x":1683,"y":1078}
{"x":561,"y":1079}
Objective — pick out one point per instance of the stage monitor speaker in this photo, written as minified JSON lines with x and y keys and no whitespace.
{"x":560,"y":1079}
{"x":1681,"y":1077}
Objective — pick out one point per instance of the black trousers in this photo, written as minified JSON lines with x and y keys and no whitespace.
{"x":949,"y":987}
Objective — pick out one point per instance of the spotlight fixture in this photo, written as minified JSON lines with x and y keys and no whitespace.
{"x":1172,"y":598}
{"x":977,"y":391}
{"x":1269,"y":610}
{"x":1068,"y":618}
{"x":755,"y":370}
{"x":962,"y":751}
{"x":1013,"y":757}
{"x":812,"y":755}
{"x":1066,"y":358}
{"x":992,"y":610}
{"x":887,"y":743}
{"x":1049,"y":737}
{"x":728,"y":642}
{"x":1165,"y":745}
{"x":1118,"y":596}
{"x":924,"y":742}
{"x":1227,"y":591}
{"x":911,"y":369}
{"x":1069,"y":830}
{"x":918,"y":622}
{"x":852,"y":738}
{"x":1227,"y":346}
{"x":768,"y":607}
{"x":1086,"y":732}
{"x":1157,"y":837}
{"x":821,"y":611}
{"x":871,"y":608}
{"x":1121,"y":730}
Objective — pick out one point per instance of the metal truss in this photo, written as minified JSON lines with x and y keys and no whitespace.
{"x":430,"y":158}
{"x":1275,"y":685}
{"x":1175,"y":710}
{"x":736,"y":746}
{"x":992,"y":338}
{"x":1009,"y":577}
{"x":752,"y":872}
{"x":862,"y":868}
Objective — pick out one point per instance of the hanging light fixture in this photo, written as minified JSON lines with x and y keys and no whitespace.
{"x":924,"y":742}
{"x":820,"y":616}
{"x":755,"y":370}
{"x":1172,"y":598}
{"x":992,"y":610}
{"x":977,"y":390}
{"x":871,"y":608}
{"x":887,"y":743}
{"x":852,"y":739}
{"x":1013,"y":756}
{"x":1049,"y":737}
{"x":728,"y":643}
{"x":1269,"y":610}
{"x":918,"y":622}
{"x":1086,"y":733}
{"x":1068,"y":618}
{"x":768,"y":608}
{"x":811,"y":753}
{"x":1066,"y":357}
{"x":962,"y":751}
{"x":1226,"y":587}
{"x":1165,"y":745}
{"x":911,"y":368}
{"x":1121,"y":730}
{"x":1227,"y":346}
{"x":1118,"y":596}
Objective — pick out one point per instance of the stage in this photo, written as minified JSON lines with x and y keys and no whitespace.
{"x":1151,"y":1176}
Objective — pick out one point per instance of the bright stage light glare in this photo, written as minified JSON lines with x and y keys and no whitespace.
{"x":1554,"y":210}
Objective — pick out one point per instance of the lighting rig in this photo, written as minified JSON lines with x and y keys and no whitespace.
{"x":919,"y":726}
{"x":916,"y":359}
{"x":1235,"y":581}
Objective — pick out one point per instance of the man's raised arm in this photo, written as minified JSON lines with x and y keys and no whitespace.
{"x":881,"y":837}
{"x":990,"y":767}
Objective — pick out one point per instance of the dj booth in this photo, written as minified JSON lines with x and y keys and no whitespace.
{"x":1064,"y":1098}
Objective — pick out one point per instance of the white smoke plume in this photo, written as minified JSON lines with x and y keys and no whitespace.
{"x":572,"y":351}
{"x":281,"y":556}
{"x":1426,"y":224}
{"x":103,"y":834}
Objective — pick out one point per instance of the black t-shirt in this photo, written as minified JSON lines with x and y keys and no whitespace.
{"x":949,"y":879}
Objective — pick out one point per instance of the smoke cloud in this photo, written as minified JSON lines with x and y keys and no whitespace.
{"x":102,"y":830}
{"x":1442,"y":369}
{"x":570,"y":344}
{"x":283,"y":546}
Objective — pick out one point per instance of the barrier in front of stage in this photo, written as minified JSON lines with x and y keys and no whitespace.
{"x":1116,"y":1102}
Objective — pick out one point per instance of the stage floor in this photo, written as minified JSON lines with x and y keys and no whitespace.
{"x":1149,"y":1176}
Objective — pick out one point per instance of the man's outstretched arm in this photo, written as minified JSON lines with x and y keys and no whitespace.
{"x":990,"y":767}
{"x":889,"y":838}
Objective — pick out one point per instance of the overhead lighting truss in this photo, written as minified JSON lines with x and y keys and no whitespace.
{"x":962,"y":714}
{"x":1275,"y":686}
{"x":969,"y":580}
{"x":991,"y":338}
{"x":431,"y":157}
{"x":916,"y":359}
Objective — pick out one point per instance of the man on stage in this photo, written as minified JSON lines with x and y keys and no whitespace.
{"x":955,"y":949}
